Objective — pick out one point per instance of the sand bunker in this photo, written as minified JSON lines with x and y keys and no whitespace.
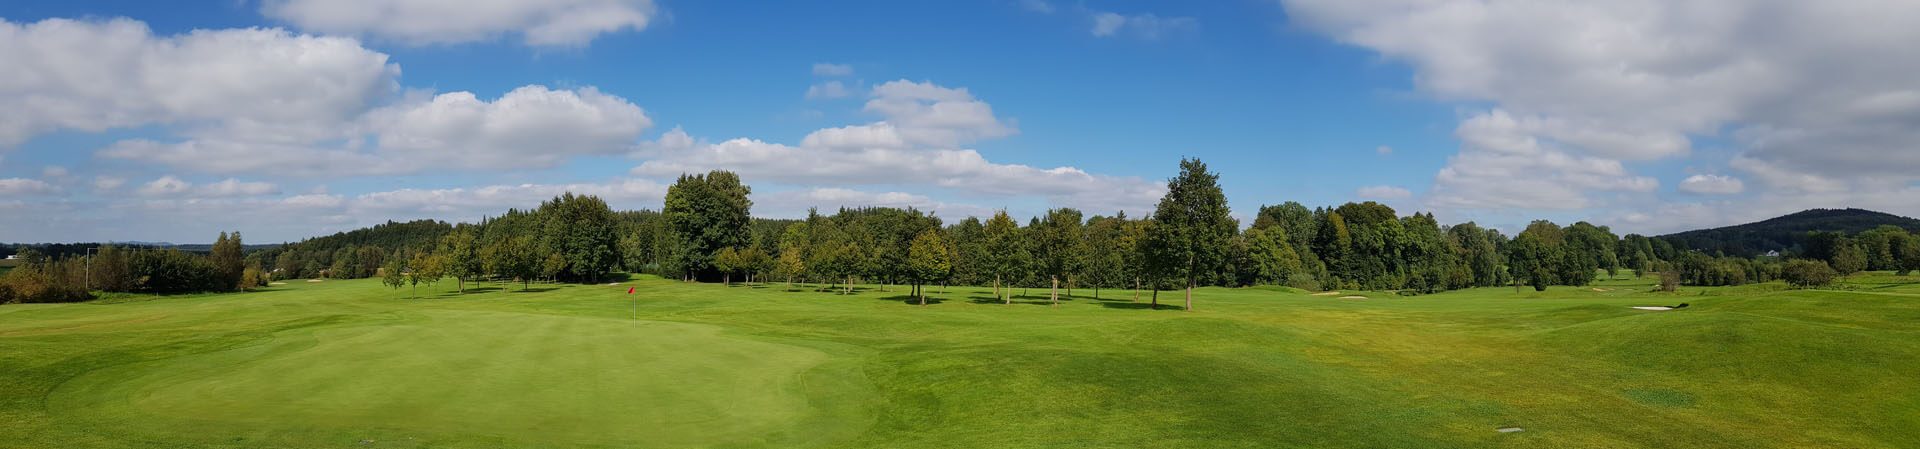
{"x":1508,"y":429}
{"x":1332,"y":293}
{"x":314,"y":280}
{"x":1601,"y":290}
{"x":277,"y":283}
{"x":1655,"y":308}
{"x":1353,"y":297}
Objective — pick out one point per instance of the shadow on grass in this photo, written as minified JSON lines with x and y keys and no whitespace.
{"x":912,"y":300}
{"x":1139,"y":306}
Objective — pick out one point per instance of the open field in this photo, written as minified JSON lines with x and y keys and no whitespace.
{"x":354,"y":364}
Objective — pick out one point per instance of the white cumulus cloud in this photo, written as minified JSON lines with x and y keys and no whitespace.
{"x":1817,"y":98}
{"x":95,"y":76}
{"x":1712,"y":185}
{"x":424,"y":22}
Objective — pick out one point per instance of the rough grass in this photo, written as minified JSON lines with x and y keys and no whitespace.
{"x":353,"y":364}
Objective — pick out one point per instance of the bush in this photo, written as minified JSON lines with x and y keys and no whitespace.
{"x":1808,"y":273}
{"x":1669,"y":280}
{"x":1303,"y":281}
{"x":40,"y":283}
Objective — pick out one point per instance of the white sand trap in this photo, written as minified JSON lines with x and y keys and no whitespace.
{"x":1353,"y":297}
{"x":1601,"y":290}
{"x":1654,"y":308}
{"x":1331,"y":293}
{"x":277,"y":283}
{"x":613,"y":283}
{"x":314,"y":280}
{"x":1508,"y":429}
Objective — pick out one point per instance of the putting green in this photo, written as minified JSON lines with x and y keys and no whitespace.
{"x":424,"y":376}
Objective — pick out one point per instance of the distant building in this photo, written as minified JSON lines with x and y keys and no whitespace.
{"x":13,"y":257}
{"x":1773,"y":253}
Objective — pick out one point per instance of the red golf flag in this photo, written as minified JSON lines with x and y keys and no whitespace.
{"x":629,"y":290}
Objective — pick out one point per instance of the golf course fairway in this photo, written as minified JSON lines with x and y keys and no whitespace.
{"x":354,"y":364}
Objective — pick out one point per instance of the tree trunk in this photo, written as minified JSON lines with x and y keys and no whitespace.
{"x":462,"y":285}
{"x":849,"y":286}
{"x":1189,"y":296}
{"x":1056,"y":291}
{"x":1156,"y":298}
{"x":996,"y":291}
{"x":1136,"y":289}
{"x":922,"y":293}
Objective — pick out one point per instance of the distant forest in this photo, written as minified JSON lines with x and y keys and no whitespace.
{"x":705,"y":231}
{"x":1786,"y":234}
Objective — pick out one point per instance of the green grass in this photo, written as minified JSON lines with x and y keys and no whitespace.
{"x":354,"y":364}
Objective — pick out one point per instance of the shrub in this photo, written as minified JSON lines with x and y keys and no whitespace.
{"x":1669,"y":280}
{"x":1807,"y":273}
{"x":40,"y":283}
{"x":1303,"y":281}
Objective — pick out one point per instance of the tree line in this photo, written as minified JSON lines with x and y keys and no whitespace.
{"x":705,"y":231}
{"x":132,"y":269}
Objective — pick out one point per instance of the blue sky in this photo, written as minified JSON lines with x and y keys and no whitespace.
{"x":1499,"y":112}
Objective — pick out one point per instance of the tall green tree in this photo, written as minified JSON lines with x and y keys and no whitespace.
{"x":1109,"y":249}
{"x":930,"y":259}
{"x":1061,"y":248}
{"x":1535,"y":255}
{"x":1006,"y":253}
{"x":580,"y":229}
{"x":1480,"y":253}
{"x":1849,"y":258}
{"x":227,"y":257}
{"x":793,"y":253}
{"x":461,"y":252}
{"x":394,"y":273}
{"x":423,"y":267}
{"x":1273,"y":259}
{"x":705,"y":213}
{"x":727,"y":260}
{"x":1191,"y":227}
{"x":970,"y":245}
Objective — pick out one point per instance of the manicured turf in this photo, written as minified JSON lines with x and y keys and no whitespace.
{"x":354,"y":364}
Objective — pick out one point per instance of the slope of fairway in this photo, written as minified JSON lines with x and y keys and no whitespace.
{"x":338,"y":364}
{"x":486,"y":374}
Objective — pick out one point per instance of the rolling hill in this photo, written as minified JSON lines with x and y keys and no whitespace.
{"x":1784,"y":233}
